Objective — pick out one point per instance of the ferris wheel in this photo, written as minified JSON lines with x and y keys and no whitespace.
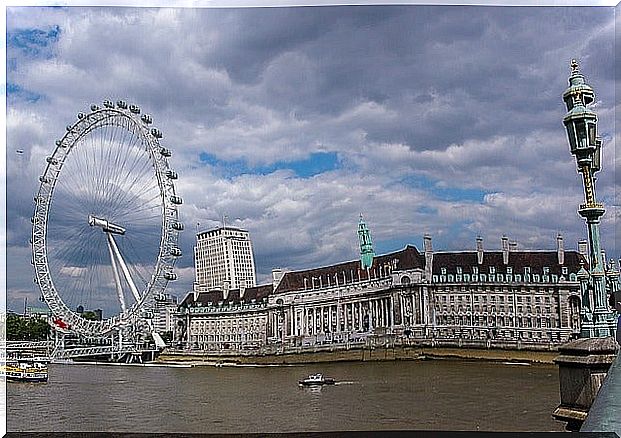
{"x":106,"y":225}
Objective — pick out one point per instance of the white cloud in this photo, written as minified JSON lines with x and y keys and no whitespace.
{"x":390,"y":94}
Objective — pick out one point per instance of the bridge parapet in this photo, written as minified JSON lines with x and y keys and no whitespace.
{"x":583,"y":365}
{"x":605,"y":413}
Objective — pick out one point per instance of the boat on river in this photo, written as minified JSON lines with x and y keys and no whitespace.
{"x":317,"y":380}
{"x":22,"y":370}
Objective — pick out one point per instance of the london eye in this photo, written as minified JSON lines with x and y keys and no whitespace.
{"x":105,"y":226}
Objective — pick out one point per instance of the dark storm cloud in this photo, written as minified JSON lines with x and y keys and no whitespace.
{"x":319,"y":62}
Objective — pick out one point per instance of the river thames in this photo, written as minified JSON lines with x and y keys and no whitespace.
{"x":429,"y":395}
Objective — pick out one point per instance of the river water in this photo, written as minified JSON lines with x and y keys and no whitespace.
{"x":430,"y":395}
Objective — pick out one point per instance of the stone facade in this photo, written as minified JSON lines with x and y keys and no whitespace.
{"x":507,"y":298}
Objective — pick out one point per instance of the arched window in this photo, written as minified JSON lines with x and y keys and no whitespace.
{"x":405,"y":280}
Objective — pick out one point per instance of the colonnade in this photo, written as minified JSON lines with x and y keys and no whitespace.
{"x":351,"y":316}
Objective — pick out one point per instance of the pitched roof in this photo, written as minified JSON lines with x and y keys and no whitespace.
{"x":518,"y":261}
{"x":407,"y":258}
{"x":216,"y":296}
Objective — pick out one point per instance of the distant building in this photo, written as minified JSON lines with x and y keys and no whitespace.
{"x":38,"y":312}
{"x":505,"y":299}
{"x":238,"y":321}
{"x":223,"y":260}
{"x":95,"y":314}
{"x":164,"y":309}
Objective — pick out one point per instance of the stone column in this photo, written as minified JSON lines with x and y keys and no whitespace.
{"x":582,"y":366}
{"x":305,"y":321}
{"x":372,"y":317}
{"x":330,"y":319}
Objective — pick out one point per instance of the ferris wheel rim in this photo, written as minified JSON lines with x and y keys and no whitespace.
{"x":97,"y":118}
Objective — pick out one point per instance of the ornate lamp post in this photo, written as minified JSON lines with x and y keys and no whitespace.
{"x":598,"y":320}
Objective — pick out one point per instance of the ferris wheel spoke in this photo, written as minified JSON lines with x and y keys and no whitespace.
{"x":147,"y":206}
{"x":134,"y":187}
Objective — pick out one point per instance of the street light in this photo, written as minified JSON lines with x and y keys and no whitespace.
{"x":581,"y":125}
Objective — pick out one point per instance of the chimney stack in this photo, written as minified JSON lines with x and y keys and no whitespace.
{"x":428,"y":255}
{"x":513,"y":246}
{"x":583,"y":249}
{"x":479,"y":250}
{"x":242,"y":288}
{"x":277,"y":274}
{"x":559,"y":249}
{"x":226,"y":285}
{"x":504,"y":242}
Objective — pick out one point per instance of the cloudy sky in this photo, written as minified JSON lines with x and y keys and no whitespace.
{"x":293,"y":121}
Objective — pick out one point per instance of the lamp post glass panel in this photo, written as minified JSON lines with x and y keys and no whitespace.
{"x":598,"y":320}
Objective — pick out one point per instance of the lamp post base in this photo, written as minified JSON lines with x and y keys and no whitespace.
{"x":600,"y":328}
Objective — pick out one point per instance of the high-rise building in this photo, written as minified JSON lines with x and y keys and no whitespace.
{"x":223,"y":260}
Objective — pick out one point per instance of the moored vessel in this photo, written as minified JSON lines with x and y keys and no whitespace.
{"x":24,"y":371}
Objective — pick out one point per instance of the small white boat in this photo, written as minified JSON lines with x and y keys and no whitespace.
{"x":316,"y":380}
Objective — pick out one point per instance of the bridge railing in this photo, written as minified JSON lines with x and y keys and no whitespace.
{"x":605,"y":413}
{"x":27,"y":345}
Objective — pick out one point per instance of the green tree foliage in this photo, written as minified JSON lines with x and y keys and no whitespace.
{"x":90,"y":315}
{"x":26,"y":329}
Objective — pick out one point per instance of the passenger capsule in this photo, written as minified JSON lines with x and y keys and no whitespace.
{"x":94,"y":107}
{"x":178,"y":226}
{"x":43,"y":179}
{"x":121,"y":104}
{"x":80,"y":116}
{"x":171,"y":174}
{"x":51,"y":160}
{"x":176,"y":200}
{"x":156,"y":133}
{"x":108,"y":104}
{"x":134,"y":109}
{"x":165,"y":152}
{"x":69,"y":128}
{"x":146,"y":118}
{"x":170,"y":276}
{"x":176,"y":252}
{"x":58,"y":142}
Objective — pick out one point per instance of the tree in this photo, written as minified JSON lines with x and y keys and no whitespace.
{"x":15,"y":328}
{"x":38,"y":329}
{"x":26,"y":329}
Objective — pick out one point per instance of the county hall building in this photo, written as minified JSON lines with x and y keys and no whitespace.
{"x":506,"y":299}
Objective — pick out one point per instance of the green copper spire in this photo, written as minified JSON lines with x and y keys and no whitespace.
{"x":366,"y":245}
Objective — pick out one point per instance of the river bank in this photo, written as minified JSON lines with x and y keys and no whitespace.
{"x":361,"y":355}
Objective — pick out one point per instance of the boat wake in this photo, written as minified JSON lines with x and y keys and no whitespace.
{"x":346,"y":382}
